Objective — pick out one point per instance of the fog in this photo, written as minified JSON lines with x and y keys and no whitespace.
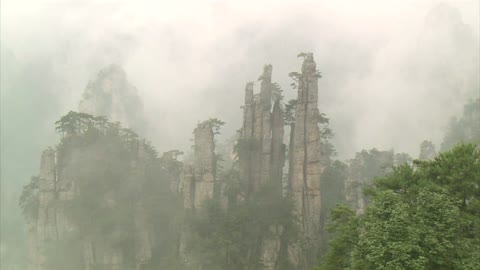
{"x":394,"y":72}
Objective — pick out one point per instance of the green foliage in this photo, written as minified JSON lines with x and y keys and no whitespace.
{"x":398,"y":234}
{"x":422,"y":216}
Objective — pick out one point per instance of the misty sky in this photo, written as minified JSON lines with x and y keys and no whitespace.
{"x":392,"y":73}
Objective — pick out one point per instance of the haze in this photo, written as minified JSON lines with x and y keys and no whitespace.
{"x":384,"y":63}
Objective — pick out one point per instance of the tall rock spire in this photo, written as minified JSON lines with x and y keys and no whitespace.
{"x":306,"y":160}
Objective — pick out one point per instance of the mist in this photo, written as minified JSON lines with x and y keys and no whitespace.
{"x":393,"y":72}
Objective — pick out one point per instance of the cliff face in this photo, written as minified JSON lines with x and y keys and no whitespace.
{"x":306,"y":164}
{"x":110,"y":94}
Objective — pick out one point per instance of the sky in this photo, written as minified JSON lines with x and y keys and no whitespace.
{"x":394,"y":71}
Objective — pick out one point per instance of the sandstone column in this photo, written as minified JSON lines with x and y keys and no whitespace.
{"x":307,"y":167}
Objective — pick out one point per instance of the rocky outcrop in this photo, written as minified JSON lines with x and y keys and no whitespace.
{"x":306,"y":163}
{"x":110,"y":94}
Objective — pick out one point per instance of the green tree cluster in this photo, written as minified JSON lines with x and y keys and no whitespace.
{"x":421,"y":216}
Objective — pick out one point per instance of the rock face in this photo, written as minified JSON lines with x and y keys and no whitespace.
{"x":110,"y":94}
{"x":306,"y":163}
{"x":199,"y":178}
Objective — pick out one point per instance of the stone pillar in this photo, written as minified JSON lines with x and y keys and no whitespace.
{"x":307,"y":166}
